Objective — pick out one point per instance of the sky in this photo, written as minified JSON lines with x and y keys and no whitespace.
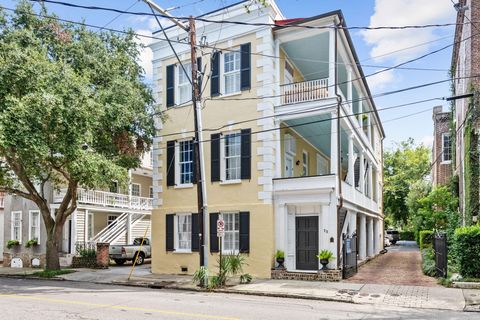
{"x":374,"y":47}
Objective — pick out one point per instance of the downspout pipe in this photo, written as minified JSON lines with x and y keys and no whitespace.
{"x":339,"y":136}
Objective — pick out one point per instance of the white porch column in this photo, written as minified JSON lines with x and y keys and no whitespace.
{"x":369,"y":128}
{"x":351,"y":162}
{"x":129,"y":228}
{"x":331,"y":60}
{"x":353,"y":222}
{"x":376,"y":236}
{"x":349,"y":86}
{"x":370,"y":237}
{"x":362,"y":173}
{"x":85,"y":231}
{"x":333,"y":144}
{"x":362,"y":247}
{"x":278,"y":152}
{"x":370,"y":180}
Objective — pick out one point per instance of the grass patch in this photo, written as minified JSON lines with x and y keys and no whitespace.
{"x":52,"y":273}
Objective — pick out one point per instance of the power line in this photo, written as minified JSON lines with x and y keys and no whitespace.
{"x":328,"y":105}
{"x":213,"y":47}
{"x":250,"y":23}
{"x":118,"y":16}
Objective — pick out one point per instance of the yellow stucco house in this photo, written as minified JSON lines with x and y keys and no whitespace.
{"x":292,"y":144}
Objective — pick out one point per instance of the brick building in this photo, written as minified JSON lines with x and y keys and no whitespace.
{"x":442,"y":147}
{"x":465,"y":67}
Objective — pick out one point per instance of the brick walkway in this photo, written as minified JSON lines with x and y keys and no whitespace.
{"x":395,"y":268}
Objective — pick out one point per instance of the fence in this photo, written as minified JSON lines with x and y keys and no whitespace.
{"x":349,"y":257}
{"x":441,"y":258}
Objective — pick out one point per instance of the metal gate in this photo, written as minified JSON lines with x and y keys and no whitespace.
{"x":349,"y":257}
{"x":441,"y":259}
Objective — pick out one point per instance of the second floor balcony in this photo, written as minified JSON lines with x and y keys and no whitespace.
{"x":108,"y":200}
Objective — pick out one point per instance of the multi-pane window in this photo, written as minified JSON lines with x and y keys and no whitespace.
{"x":446,"y":147}
{"x":231,"y":238}
{"x":111,"y":221}
{"x":135,"y":190}
{"x":184,"y":232}
{"x":232,"y":156}
{"x":151,"y":192}
{"x":90,"y":226}
{"x":185,"y":161}
{"x":17,"y":225}
{"x":34,"y":225}
{"x":305,"y":163}
{"x":232,"y":71}
{"x":184,"y":86}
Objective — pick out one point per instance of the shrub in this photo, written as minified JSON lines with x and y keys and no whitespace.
{"x":428,"y":262}
{"x":12,"y":243}
{"x":31,"y":243}
{"x":407,"y":235}
{"x":467,"y":251}
{"x":425,"y":238}
{"x":86,"y":250}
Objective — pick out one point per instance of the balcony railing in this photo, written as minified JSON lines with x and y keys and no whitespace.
{"x":109,"y":199}
{"x":304,"y":91}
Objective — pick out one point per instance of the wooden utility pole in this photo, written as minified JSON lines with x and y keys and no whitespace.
{"x":198,"y":145}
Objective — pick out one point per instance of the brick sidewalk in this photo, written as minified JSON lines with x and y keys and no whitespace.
{"x":395,"y":268}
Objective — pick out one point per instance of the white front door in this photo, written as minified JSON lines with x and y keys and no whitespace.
{"x":288,"y":166}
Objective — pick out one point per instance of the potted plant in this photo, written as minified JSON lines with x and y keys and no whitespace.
{"x":325,"y":256}
{"x":12,"y":243}
{"x":31,"y":243}
{"x":280,"y":258}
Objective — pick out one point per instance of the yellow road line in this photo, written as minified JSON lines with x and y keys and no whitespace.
{"x":116,"y":307}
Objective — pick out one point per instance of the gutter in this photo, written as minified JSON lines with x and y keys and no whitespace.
{"x":339,"y":158}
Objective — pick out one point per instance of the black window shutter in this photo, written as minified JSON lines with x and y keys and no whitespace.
{"x":195,"y":232}
{"x":170,"y":232}
{"x":215,"y":75}
{"x":170,"y":85}
{"x":170,"y":165}
{"x":213,"y":232}
{"x":246,"y":150}
{"x":199,"y":69}
{"x":245,"y":68}
{"x":194,"y":163}
{"x":215,"y":157}
{"x":356,"y":171}
{"x":244,"y":232}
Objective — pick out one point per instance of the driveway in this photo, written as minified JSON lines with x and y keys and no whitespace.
{"x":401,"y":265}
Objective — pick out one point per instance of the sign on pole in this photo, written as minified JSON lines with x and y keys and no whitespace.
{"x":220,"y":228}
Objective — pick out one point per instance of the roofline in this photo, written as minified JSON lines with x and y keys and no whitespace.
{"x":339,"y":14}
{"x":458,"y":35}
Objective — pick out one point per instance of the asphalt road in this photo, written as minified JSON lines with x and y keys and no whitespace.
{"x":45,"y":300}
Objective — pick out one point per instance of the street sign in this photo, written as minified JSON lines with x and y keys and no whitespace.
{"x":220,"y":228}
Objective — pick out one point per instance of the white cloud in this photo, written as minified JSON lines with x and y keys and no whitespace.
{"x":427,"y":141}
{"x":146,"y":53}
{"x":381,"y":80}
{"x":401,"y":13}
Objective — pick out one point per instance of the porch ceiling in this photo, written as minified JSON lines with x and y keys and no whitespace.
{"x":318,"y":134}
{"x":307,"y":54}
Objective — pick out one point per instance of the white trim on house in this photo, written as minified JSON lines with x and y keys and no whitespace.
{"x":30,"y":225}
{"x":139,"y":189}
{"x":223,"y":164}
{"x":446,"y":161}
{"x":177,"y":231}
{"x":178,"y":173}
{"x":235,"y":232}
{"x":12,"y":226}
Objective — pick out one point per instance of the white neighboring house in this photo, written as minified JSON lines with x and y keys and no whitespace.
{"x":113,"y":216}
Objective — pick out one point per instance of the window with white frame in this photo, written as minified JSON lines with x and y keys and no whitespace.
{"x":17,"y":226}
{"x":34,"y":221}
{"x":231,"y":238}
{"x":136,"y":190}
{"x":184,"y":232}
{"x":185,"y":162}
{"x":111,"y":221}
{"x":90,"y":226}
{"x":231,"y":71}
{"x":304,"y":163}
{"x":232,"y":156}
{"x":184,"y":86}
{"x":446,"y":147}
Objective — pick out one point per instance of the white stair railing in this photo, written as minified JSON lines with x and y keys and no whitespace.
{"x":115,"y":227}
{"x":133,"y":221}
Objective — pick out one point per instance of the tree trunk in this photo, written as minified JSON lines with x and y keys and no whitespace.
{"x":54,"y":237}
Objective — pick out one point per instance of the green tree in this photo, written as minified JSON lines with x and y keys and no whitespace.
{"x":74,"y":112}
{"x":403,"y":166}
